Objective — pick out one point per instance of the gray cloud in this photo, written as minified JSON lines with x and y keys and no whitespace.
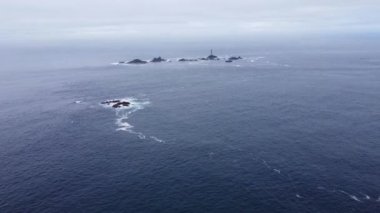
{"x":72,"y":19}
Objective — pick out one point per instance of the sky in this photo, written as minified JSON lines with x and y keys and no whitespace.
{"x":28,"y":20}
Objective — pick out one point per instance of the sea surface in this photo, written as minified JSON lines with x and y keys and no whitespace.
{"x":279,"y":131}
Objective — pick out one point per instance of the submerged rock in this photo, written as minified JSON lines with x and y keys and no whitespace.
{"x":137,"y":61}
{"x":159,"y":59}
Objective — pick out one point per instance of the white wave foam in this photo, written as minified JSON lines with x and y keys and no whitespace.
{"x":363,"y":198}
{"x":367,"y":197}
{"x":154,"y":138}
{"x":355,"y":198}
{"x":358,"y":198}
{"x":350,"y":195}
{"x":124,"y":112}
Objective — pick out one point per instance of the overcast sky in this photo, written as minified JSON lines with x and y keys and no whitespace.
{"x":107,"y":19}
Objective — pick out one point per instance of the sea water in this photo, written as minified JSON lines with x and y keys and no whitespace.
{"x":279,"y":131}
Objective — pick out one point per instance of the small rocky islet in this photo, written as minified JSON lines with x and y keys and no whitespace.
{"x":159,"y":59}
{"x":137,"y":61}
{"x":233,"y":58}
{"x":116,"y":103}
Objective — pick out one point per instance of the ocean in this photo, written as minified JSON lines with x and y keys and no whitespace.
{"x":279,"y":131}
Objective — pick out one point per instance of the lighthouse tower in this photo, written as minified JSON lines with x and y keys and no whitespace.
{"x":212,"y":56}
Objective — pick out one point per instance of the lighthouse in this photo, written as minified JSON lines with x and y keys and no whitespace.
{"x":212,"y":56}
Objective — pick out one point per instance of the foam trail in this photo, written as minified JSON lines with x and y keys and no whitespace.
{"x":351,"y":196}
{"x":139,"y":134}
{"x":367,"y":197}
{"x":255,"y":59}
{"x":269,"y":167}
{"x":355,"y":198}
{"x":156,"y":139}
{"x":124,"y":112}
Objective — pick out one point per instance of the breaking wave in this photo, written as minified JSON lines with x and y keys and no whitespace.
{"x":356,"y":196}
{"x":123,"y":113}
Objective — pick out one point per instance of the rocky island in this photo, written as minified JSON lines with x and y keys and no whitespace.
{"x":212,"y":57}
{"x":233,"y":58}
{"x":159,"y":59}
{"x":137,"y":61}
{"x":185,"y":59}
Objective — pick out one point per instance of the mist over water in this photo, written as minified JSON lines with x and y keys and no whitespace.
{"x":294,"y":127}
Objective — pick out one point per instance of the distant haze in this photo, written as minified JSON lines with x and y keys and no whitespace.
{"x":28,"y":20}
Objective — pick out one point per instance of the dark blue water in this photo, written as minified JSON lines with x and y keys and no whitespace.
{"x":294,"y":131}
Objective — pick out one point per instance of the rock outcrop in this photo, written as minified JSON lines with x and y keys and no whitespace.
{"x":158,"y":59}
{"x":234,"y":58}
{"x":137,"y":61}
{"x":116,"y":103}
{"x":185,"y":59}
{"x":212,"y":56}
